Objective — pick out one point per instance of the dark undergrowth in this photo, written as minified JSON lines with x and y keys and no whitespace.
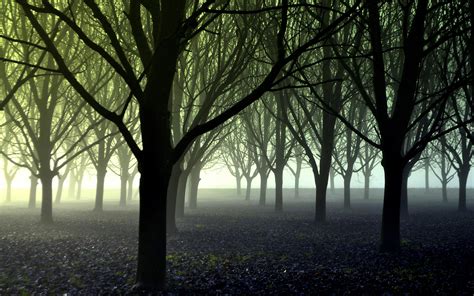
{"x":241,"y":249}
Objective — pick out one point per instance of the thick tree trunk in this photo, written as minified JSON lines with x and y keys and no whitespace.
{"x":463,"y":175}
{"x":263,"y":189}
{"x":390,"y":234}
{"x":151,"y":269}
{"x":278,"y":190}
{"x":33,"y":187}
{"x":347,"y":190}
{"x":47,"y":198}
{"x":99,"y":193}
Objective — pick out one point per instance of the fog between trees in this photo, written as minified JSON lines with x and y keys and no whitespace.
{"x":162,"y":90}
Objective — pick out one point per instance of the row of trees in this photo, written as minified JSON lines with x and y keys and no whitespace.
{"x":329,"y":82}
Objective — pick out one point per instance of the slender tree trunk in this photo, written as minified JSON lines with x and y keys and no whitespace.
{"x":181,"y":194}
{"x":404,"y":194}
{"x":347,"y":190}
{"x":130,"y":187}
{"x":172,"y":198}
{"x":99,"y":194}
{"x":390,"y":234}
{"x":33,"y":187}
{"x":263,"y":189}
{"x":332,"y":176}
{"x":248,"y":189}
{"x":278,"y":190}
{"x":123,"y":190}
{"x":238,"y":180}
{"x":444,"y":191}
{"x":463,"y":175}
{"x":9,"y":189}
{"x":47,"y":198}
{"x":297,"y":177}
{"x":427,"y":174}
{"x":59,"y":191}
{"x":366,"y":185}
{"x":194,"y":182}
{"x":79,"y":187}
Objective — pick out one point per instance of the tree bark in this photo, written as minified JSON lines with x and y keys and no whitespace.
{"x":263,"y":188}
{"x":59,"y":191}
{"x":33,"y":187}
{"x":404,"y":193}
{"x":99,"y":194}
{"x":366,"y":186}
{"x":347,"y":190}
{"x":278,"y":190}
{"x":181,"y":194}
{"x":390,"y":234}
{"x":9,"y":189}
{"x":123,"y":190}
{"x":463,"y":175}
{"x":248,"y":189}
{"x":194,"y":185}
{"x":47,"y":198}
{"x":172,"y":198}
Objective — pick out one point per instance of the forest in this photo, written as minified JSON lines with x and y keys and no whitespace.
{"x":236,"y":147}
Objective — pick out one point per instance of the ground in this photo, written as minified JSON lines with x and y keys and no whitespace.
{"x":230,"y":246}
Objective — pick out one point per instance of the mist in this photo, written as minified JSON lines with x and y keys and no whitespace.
{"x":229,"y":147}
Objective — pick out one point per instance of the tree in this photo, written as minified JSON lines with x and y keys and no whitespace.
{"x":158,"y":53}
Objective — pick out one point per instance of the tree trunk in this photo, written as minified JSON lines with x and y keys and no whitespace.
{"x":263,"y":189}
{"x":172,"y":198}
{"x":33,"y":187}
{"x":347,"y":190}
{"x":366,"y":185}
{"x":299,"y":162}
{"x":123,"y":190}
{"x":390,"y":234}
{"x":194,"y":182}
{"x":47,"y":198}
{"x":181,"y":194}
{"x":238,"y":180}
{"x":248,"y":189}
{"x":151,"y":268}
{"x":427,"y":175}
{"x":99,"y":193}
{"x":332,"y":176}
{"x":9,"y":189}
{"x":463,"y":175}
{"x":444,"y":191}
{"x":278,"y":190}
{"x":404,"y":193}
{"x":59,"y":191}
{"x":79,"y":187}
{"x":130,"y":187}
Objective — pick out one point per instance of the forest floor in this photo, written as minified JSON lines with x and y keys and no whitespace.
{"x":240,"y":248}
